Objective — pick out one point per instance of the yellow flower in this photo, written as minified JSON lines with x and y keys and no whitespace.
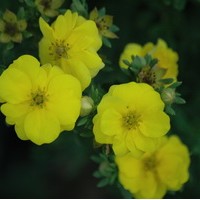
{"x":10,"y":28}
{"x":103,"y":23}
{"x":155,"y":173}
{"x":48,"y":7}
{"x":40,"y":101}
{"x":167,"y":58}
{"x":131,"y":118}
{"x":72,"y":43}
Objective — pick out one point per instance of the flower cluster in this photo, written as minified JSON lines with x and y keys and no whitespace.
{"x":40,"y":101}
{"x":73,"y":48}
{"x":11,"y":28}
{"x":129,"y":121}
{"x":154,"y":173}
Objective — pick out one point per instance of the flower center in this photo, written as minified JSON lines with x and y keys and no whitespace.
{"x":11,"y":29}
{"x":150,"y":163}
{"x":101,"y":24}
{"x":131,"y":120}
{"x":39,"y":98}
{"x":58,"y":49}
{"x":46,"y":3}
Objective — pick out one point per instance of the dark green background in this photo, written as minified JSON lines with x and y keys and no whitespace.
{"x":63,"y":169}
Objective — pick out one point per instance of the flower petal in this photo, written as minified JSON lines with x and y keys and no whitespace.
{"x":119,"y":145}
{"x":64,"y":99}
{"x":60,"y":32}
{"x":9,"y":17}
{"x":2,"y":25}
{"x":29,"y":65}
{"x":15,"y":86}
{"x":17,"y":38}
{"x":86,"y":36}
{"x":155,"y":124}
{"x":99,"y":136}
{"x":21,"y":24}
{"x":78,"y":70}
{"x":41,"y":126}
{"x":90,"y":59}
{"x":15,"y":111}
{"x":111,"y":122}
{"x":4,"y":38}
{"x":47,"y":31}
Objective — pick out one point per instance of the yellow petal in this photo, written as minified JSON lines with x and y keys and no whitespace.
{"x":111,"y":123}
{"x":64,"y":101}
{"x":99,"y":136}
{"x":148,"y":185}
{"x":44,"y":53}
{"x":91,"y":60}
{"x":78,"y":70}
{"x":47,"y":31}
{"x":145,"y":144}
{"x":59,"y":27}
{"x":108,"y":34}
{"x":2,"y":25}
{"x":9,"y":17}
{"x":17,"y":38}
{"x":129,"y":50}
{"x":19,"y":129}
{"x":28,"y":65}
{"x":130,"y":143}
{"x":15,"y":86}
{"x":41,"y":126}
{"x":4,"y":38}
{"x":155,"y":125}
{"x":86,"y":36}
{"x":15,"y":111}
{"x":119,"y":145}
{"x":50,"y":12}
{"x":21,"y":24}
{"x":129,"y":166}
{"x":94,"y":14}
{"x":56,"y":3}
{"x":108,"y":20}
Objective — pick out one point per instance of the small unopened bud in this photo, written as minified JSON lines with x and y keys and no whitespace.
{"x":168,"y":95}
{"x":87,"y":105}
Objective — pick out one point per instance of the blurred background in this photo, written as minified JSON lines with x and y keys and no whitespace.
{"x":63,"y":169}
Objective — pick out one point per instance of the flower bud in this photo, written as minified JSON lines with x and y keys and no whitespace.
{"x":168,"y":95}
{"x":87,"y":105}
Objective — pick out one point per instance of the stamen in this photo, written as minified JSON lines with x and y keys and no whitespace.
{"x":39,"y":98}
{"x":131,"y":120}
{"x":58,"y":49}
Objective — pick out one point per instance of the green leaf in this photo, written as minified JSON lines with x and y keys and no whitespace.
{"x":27,"y":34}
{"x":175,"y":85}
{"x":21,"y":13}
{"x":153,"y":62}
{"x":114,"y":28}
{"x":102,"y":12}
{"x":96,"y":159}
{"x":81,"y":7}
{"x":97,"y":174}
{"x":103,"y":182}
{"x":106,"y":42}
{"x":170,"y":110}
{"x":86,"y":134}
{"x":126,"y":62}
{"x":166,"y":80}
{"x":179,"y":100}
{"x":82,"y":121}
{"x":30,"y":3}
